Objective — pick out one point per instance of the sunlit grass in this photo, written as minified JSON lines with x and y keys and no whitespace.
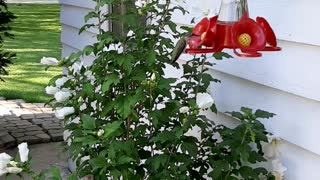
{"x":37,"y":34}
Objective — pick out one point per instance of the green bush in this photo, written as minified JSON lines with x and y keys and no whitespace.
{"x":6,"y":17}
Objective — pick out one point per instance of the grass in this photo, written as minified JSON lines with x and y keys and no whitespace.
{"x":37,"y":34}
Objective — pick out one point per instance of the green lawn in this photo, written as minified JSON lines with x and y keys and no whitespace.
{"x":37,"y":34}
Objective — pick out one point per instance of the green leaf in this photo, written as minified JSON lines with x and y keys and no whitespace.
{"x":98,"y":163}
{"x":151,"y":58}
{"x":111,"y":128}
{"x":221,"y":55}
{"x":110,"y":79}
{"x":88,"y":122}
{"x":126,"y":62}
{"x":246,"y":110}
{"x":190,"y":147}
{"x":124,"y":160}
{"x":123,"y":106}
{"x":263,"y":114}
{"x":56,"y":175}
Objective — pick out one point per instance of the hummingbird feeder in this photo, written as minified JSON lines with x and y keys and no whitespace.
{"x":233,"y":29}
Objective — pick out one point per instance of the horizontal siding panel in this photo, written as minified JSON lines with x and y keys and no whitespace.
{"x":294,"y":69}
{"x":301,"y":164}
{"x":291,"y":20}
{"x":70,"y":36}
{"x":297,"y":117}
{"x":79,"y":3}
{"x":74,"y":16}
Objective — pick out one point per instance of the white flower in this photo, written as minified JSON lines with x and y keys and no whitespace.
{"x":60,"y":82}
{"x":278,"y":167}
{"x":23,"y":152}
{"x":76,"y":67}
{"x":4,"y":160}
{"x":83,"y":106}
{"x":3,"y":172}
{"x":153,"y":77}
{"x":90,"y":76}
{"x":51,"y":90}
{"x":14,"y":170}
{"x":272,"y":138}
{"x":94,"y":104}
{"x":62,"y":96}
{"x":140,"y":3}
{"x":100,"y":132}
{"x":98,"y":89}
{"x":61,"y":113}
{"x":184,"y":109}
{"x":204,"y":100}
{"x":13,"y":163}
{"x":204,"y":9}
{"x":50,"y":61}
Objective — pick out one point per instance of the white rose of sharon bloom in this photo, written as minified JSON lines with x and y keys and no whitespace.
{"x":13,"y":170}
{"x":278,"y":167}
{"x":62,"y":96}
{"x":204,"y":100}
{"x":60,"y":82}
{"x":13,"y":163}
{"x":184,"y":109}
{"x":140,"y":3}
{"x":3,"y":172}
{"x":51,"y":90}
{"x":4,"y":160}
{"x":61,"y":113}
{"x":23,"y":152}
{"x":50,"y":61}
{"x":83,"y":106}
{"x":94,"y":105}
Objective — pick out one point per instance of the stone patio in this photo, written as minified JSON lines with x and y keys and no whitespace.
{"x":25,"y":122}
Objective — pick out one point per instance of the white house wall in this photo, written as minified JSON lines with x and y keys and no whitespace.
{"x":285,"y":83}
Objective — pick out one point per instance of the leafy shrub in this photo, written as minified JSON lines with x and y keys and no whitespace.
{"x":6,"y":17}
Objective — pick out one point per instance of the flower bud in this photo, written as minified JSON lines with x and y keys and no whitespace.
{"x":184,"y":109}
{"x":100,"y":132}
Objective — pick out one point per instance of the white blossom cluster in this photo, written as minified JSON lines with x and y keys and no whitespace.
{"x":8,"y":166}
{"x":272,"y":153}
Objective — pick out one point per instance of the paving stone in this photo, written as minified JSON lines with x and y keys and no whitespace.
{"x":11,"y":128}
{"x":51,"y":127}
{"x":18,"y":101}
{"x":35,"y":128}
{"x":29,"y":139}
{"x":55,"y":137}
{"x":17,"y":130}
{"x":3,"y":133}
{"x":44,"y":137}
{"x":30,"y":133}
{"x":44,"y":115}
{"x":24,"y":125}
{"x":17,"y":135}
{"x":25,"y":122}
{"x":27,"y":116}
{"x":11,"y":118}
{"x":7,"y":138}
{"x":37,"y":121}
